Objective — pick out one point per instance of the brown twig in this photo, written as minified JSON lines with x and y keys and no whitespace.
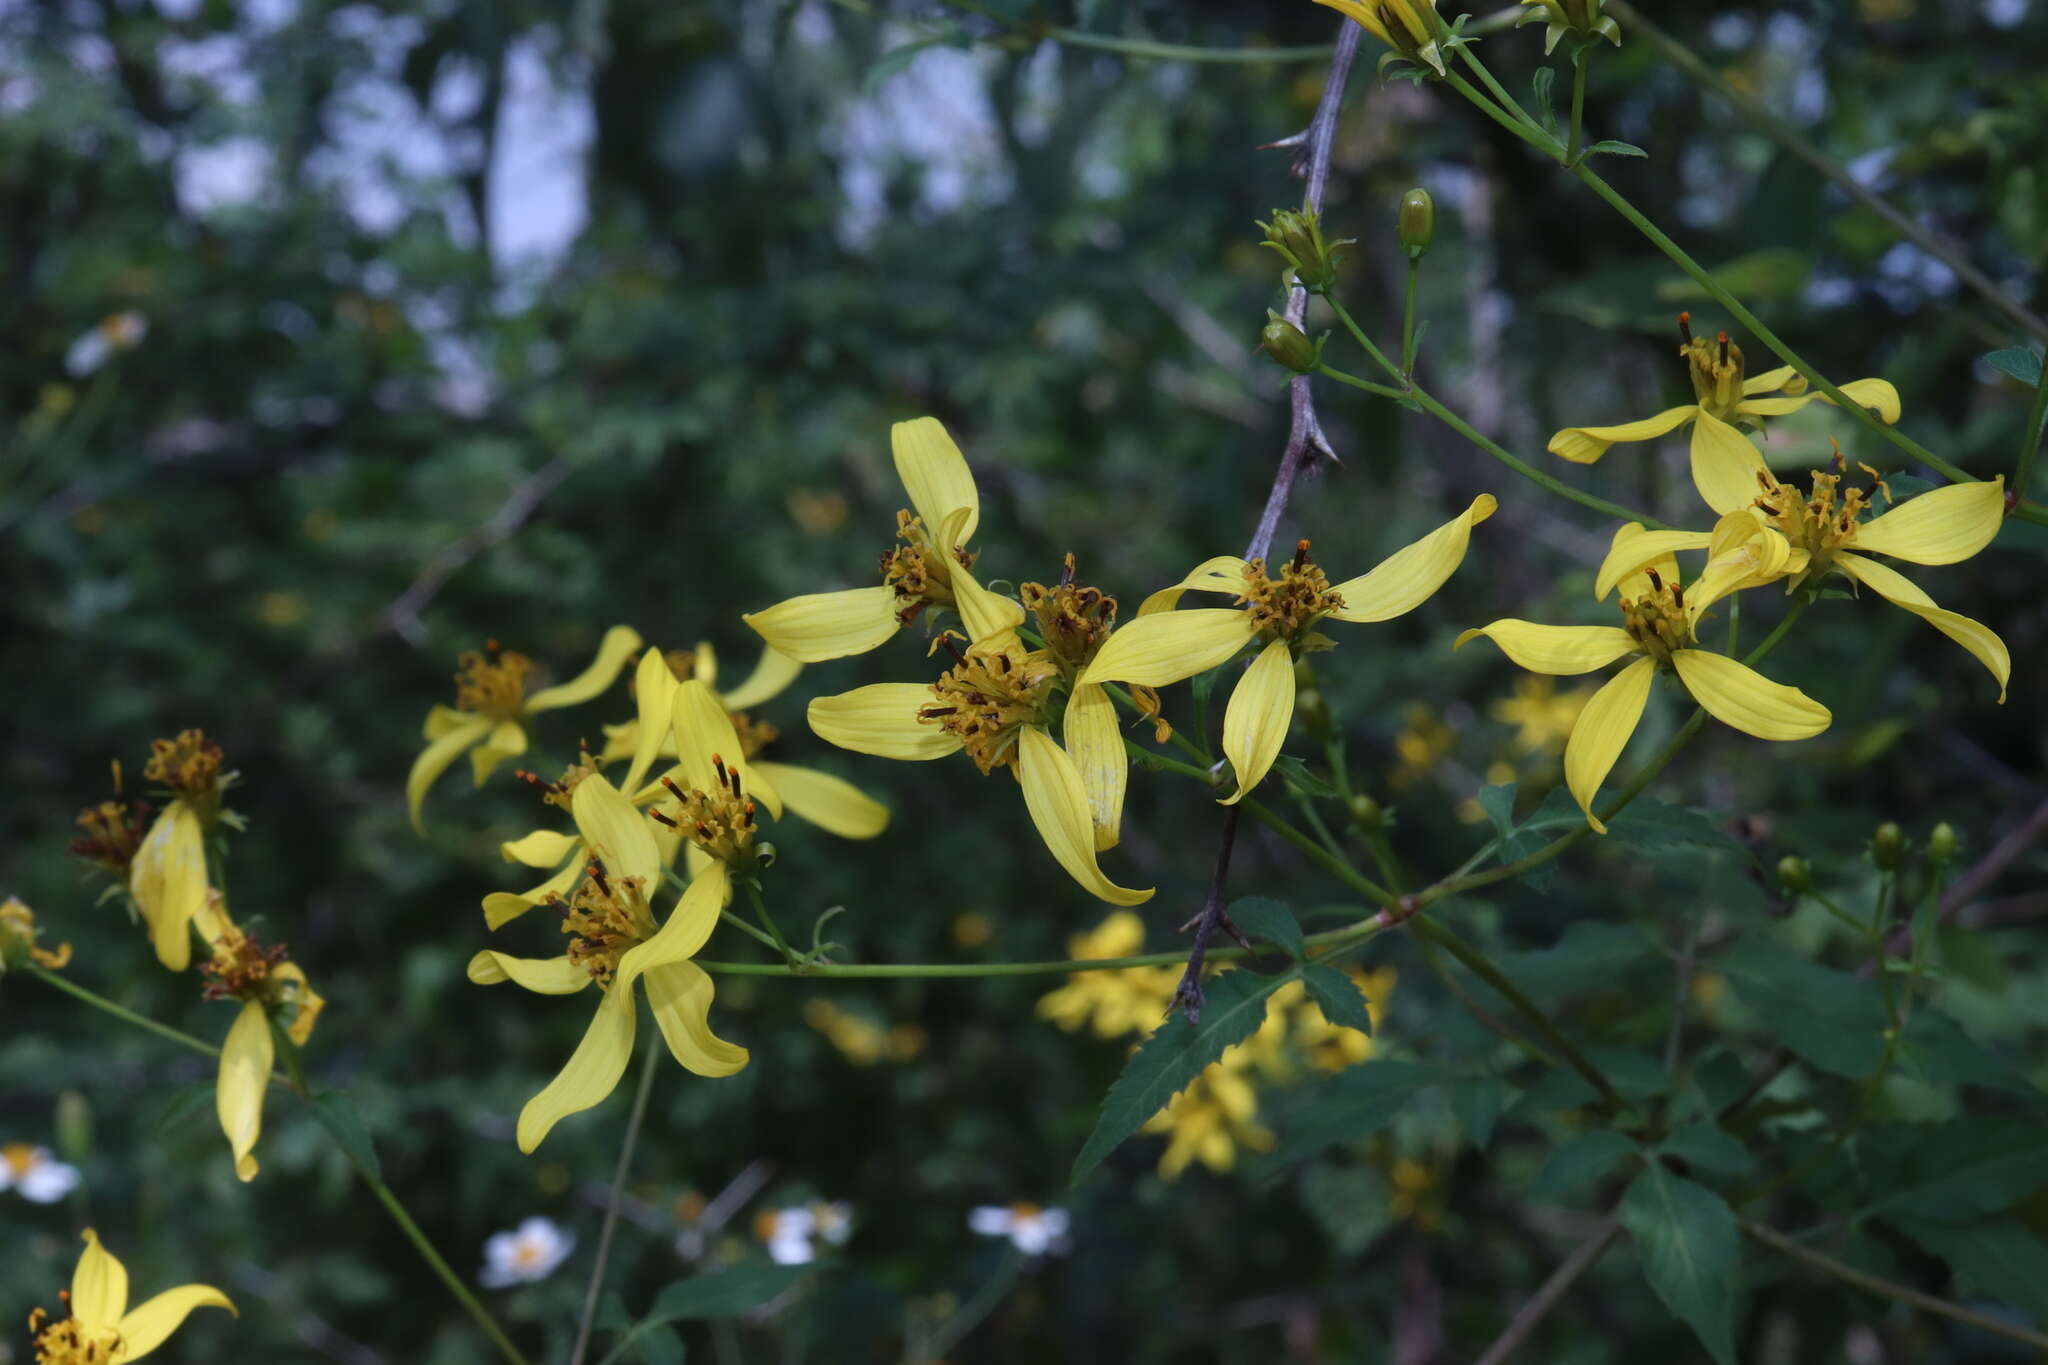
{"x":402,"y":616}
{"x":1556,"y":1287}
{"x":1188,"y":995}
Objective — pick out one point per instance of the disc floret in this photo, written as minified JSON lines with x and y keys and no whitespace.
{"x":988,"y":696}
{"x":1825,"y":520}
{"x":919,"y":571}
{"x":1715,"y":366}
{"x":1287,"y":607}
{"x":1657,"y":620}
{"x":720,"y":822}
{"x":492,"y":682}
{"x":1074,"y":620}
{"x":605,"y":917}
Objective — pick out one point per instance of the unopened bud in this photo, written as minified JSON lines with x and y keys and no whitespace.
{"x":74,"y":1126}
{"x":1288,"y":344}
{"x":1417,"y":221}
{"x":1313,"y":711}
{"x":1297,"y":235}
{"x":1366,"y":813}
{"x":1941,"y":844}
{"x":1794,"y":874}
{"x":1887,"y":844}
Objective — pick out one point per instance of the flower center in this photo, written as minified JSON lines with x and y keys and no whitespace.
{"x":559,"y":792}
{"x":606,"y":916}
{"x":19,"y":1157}
{"x":242,"y":968}
{"x":188,"y":765}
{"x":1715,"y":366}
{"x":66,"y":1342}
{"x":1073,"y":621}
{"x":755,"y":735}
{"x":1284,"y":608}
{"x":492,"y":683}
{"x":918,"y":570}
{"x":720,"y":822}
{"x":113,"y":832}
{"x":985,"y":698}
{"x":1826,"y":519}
{"x":1657,"y":620}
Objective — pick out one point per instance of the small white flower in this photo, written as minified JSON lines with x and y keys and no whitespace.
{"x":1031,"y":1229}
{"x":531,"y":1252}
{"x":833,"y":1221}
{"x":35,"y":1173}
{"x":103,"y":341}
{"x":787,"y":1235}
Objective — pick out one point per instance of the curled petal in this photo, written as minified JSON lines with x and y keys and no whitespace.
{"x":935,"y":474}
{"x":592,"y":1072}
{"x":772,"y":674}
{"x":615,"y":831}
{"x":1584,"y":445}
{"x":1941,"y":526}
{"x":502,"y":907}
{"x":244,"y":1075}
{"x":1096,"y":745}
{"x":618,"y":645}
{"x":1360,"y":14}
{"x":1876,"y":394}
{"x":828,"y":625}
{"x":1602,"y":731}
{"x":153,"y":1320}
{"x":1744,"y":553}
{"x":1559,"y":650}
{"x":306,"y":1002}
{"x":1981,"y":640}
{"x":831,"y":803}
{"x":687,"y":928}
{"x":1739,"y":696}
{"x":1725,"y":464}
{"x":681,"y":996}
{"x":1255,"y":723}
{"x":1774,"y":405}
{"x":654,"y":688}
{"x":1630,"y":555}
{"x":704,"y":732}
{"x":446,"y":747}
{"x":1224,"y":574}
{"x":168,"y":881}
{"x":1168,"y":646}
{"x":99,"y":1285}
{"x":1636,"y":583}
{"x":507,"y":739}
{"x":1405,"y":579}
{"x":1770,"y":381}
{"x":542,"y":975}
{"x":1058,"y":803}
{"x":881,"y":719}
{"x":987,"y":615}
{"x":542,"y":848}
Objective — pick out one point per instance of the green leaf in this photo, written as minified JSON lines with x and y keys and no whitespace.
{"x":611,"y":1312}
{"x":2000,"y":1257}
{"x":1540,"y":86}
{"x":1589,"y":955}
{"x":1939,"y":1052}
{"x":724,"y":1294}
{"x":337,"y":1114}
{"x":1498,"y":801}
{"x":1687,"y":1237}
{"x":1711,"y":1148}
{"x":659,"y":1346}
{"x":1354,"y":1104}
{"x":1829,"y":1018}
{"x":1610,"y":147}
{"x":1341,"y":999}
{"x":2019,"y":362}
{"x":1579,"y":1162}
{"x":1478,"y":1102}
{"x":1174,"y":1056}
{"x":1301,"y":781}
{"x":1966,"y":1168}
{"x":1262,"y":917}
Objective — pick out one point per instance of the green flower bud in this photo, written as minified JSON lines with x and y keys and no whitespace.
{"x":1417,"y":221}
{"x":1794,"y":874}
{"x":1298,"y":236}
{"x":1288,"y":344}
{"x":1313,"y":711}
{"x":1887,"y":845}
{"x":1941,"y":844}
{"x":1366,"y":813}
{"x":74,"y":1126}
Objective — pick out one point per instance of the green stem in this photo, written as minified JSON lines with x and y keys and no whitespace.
{"x":1498,"y":91}
{"x":1184,"y":52}
{"x":1527,"y":132}
{"x":654,"y":1048}
{"x":2030,"y":439}
{"x":789,"y":956}
{"x":1408,"y":322}
{"x":1382,"y":390}
{"x":954,"y":1330}
{"x":1579,"y":64}
{"x":124,"y":1014}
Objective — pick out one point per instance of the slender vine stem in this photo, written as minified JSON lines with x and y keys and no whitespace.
{"x":1408,"y":322}
{"x":970,"y":1314}
{"x":648,"y":1065}
{"x":1580,"y":61}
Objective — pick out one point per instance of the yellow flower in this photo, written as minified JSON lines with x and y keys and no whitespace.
{"x":609,"y":916}
{"x":18,"y":934}
{"x":102,"y":1330}
{"x":266,"y":984}
{"x":168,"y":876}
{"x":1659,"y":621}
{"x":1281,"y":612}
{"x":1542,"y":716}
{"x":488,"y":720}
{"x":1212,"y":1118}
{"x":997,"y":703}
{"x":1112,"y":1003}
{"x":925,"y":571}
{"x":1942,"y":526}
{"x":1410,"y":27}
{"x":1569,"y":16}
{"x":1722,"y":457}
{"x":1332,"y":1047}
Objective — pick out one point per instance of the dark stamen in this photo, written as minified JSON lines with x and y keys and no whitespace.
{"x":1685,"y":328}
{"x":596,"y":871}
{"x":664,"y":819}
{"x":1300,"y":553}
{"x":1723,"y":339}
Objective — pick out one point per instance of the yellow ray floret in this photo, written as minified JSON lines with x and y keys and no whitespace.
{"x":102,"y":1329}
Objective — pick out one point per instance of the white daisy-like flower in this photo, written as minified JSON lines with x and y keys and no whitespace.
{"x":1031,"y":1229}
{"x":530,"y":1252}
{"x":103,"y":341}
{"x":787,"y":1235}
{"x":35,"y":1173}
{"x":833,"y":1221}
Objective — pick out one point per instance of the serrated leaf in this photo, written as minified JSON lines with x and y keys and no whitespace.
{"x":1262,"y":917}
{"x":1830,"y":1018}
{"x":1498,"y":800}
{"x":2019,"y":362}
{"x":1961,"y":1170}
{"x":1354,"y":1104}
{"x":1689,"y":1244}
{"x":1611,"y":147}
{"x":337,"y":1114}
{"x":1711,"y":1148}
{"x":1341,"y":999}
{"x":1579,"y":1162}
{"x":2000,"y":1257}
{"x":1173,"y":1056}
{"x":1477,"y":1102}
{"x":1938,"y":1051}
{"x":725,"y":1294}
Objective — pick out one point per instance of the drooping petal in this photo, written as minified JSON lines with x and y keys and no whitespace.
{"x":1255,"y":723}
{"x":686,"y":929}
{"x":1558,"y":650}
{"x":99,"y":1285}
{"x":704,"y":733}
{"x":1872,"y":393}
{"x":881,"y":719}
{"x":831,"y":803}
{"x":1602,"y":732}
{"x":1631,"y":554}
{"x":1405,"y":579}
{"x":1636,"y":583}
{"x":987,"y":615}
{"x":434,"y":760}
{"x":1743,"y":553}
{"x":773,"y":673}
{"x":1168,"y":646}
{"x":654,"y":689}
{"x":1941,"y":526}
{"x":619,"y":644}
{"x":1725,"y":464}
{"x":1096,"y":744}
{"x":245,"y":1061}
{"x":542,"y":975}
{"x":502,"y":907}
{"x":153,"y":1320}
{"x":1058,"y":802}
{"x":1584,"y":445}
{"x":1739,"y":696}
{"x":591,"y":1074}
{"x":1223,"y":573}
{"x":1774,"y":405}
{"x":1770,"y":381}
{"x":542,"y":848}
{"x":1359,"y":14}
{"x":935,"y":474}
{"x":1982,"y":641}
{"x":168,"y":880}
{"x":507,"y":739}
{"x":681,"y":996}
{"x":829,"y":625}
{"x":615,"y":831}
{"x":442,"y":719}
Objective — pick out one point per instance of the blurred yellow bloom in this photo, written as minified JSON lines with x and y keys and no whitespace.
{"x":1410,"y":27}
{"x":102,"y":1329}
{"x":1422,"y":740}
{"x":18,"y":934}
{"x":168,"y":877}
{"x":924,"y":571}
{"x":243,"y":969}
{"x":1659,"y":621}
{"x":1212,"y":1118}
{"x":1416,"y":1194}
{"x":860,"y":1039}
{"x":1281,"y":613}
{"x":488,"y":720}
{"x":1332,"y":1047}
{"x":1111,"y":1003}
{"x":1542,"y":716}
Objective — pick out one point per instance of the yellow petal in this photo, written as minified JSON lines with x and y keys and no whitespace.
{"x":935,"y":475}
{"x":831,"y":803}
{"x":244,"y":1075}
{"x":986,"y":614}
{"x":704,"y":732}
{"x":1739,"y":696}
{"x":1742,"y":553}
{"x":542,"y":848}
{"x":620,"y":643}
{"x":681,"y":996}
{"x":1096,"y":745}
{"x":592,"y":1072}
{"x":542,"y":975}
{"x":507,"y":739}
{"x":881,"y":719}
{"x":1168,"y":646}
{"x":1631,"y":554}
{"x":828,"y":625}
{"x":307,"y":1002}
{"x":153,"y":1321}
{"x":168,"y":880}
{"x":1774,"y":405}
{"x":1725,"y":464}
{"x":1636,"y":583}
{"x":688,"y":926}
{"x":99,"y":1286}
{"x":442,"y":719}
{"x":1770,"y":381}
{"x":1941,"y":526}
{"x":1404,"y":580}
{"x":1602,"y":732}
{"x":615,"y":832}
{"x":772,"y":674}
{"x":1360,"y":15}
{"x":654,"y":687}
{"x":1224,"y":574}
{"x":1982,"y":641}
{"x":1559,"y":650}
{"x":1872,"y":393}
{"x":704,"y":665}
{"x":502,"y":907}
{"x":434,"y":760}
{"x":1255,"y":723}
{"x":1058,"y":803}
{"x":1584,"y":445}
